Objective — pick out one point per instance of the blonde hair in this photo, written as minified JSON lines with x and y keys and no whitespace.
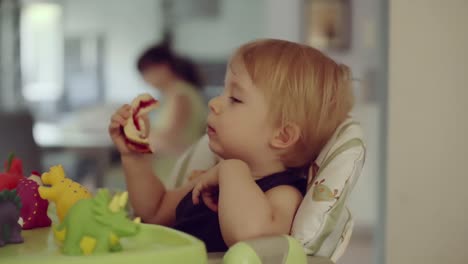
{"x":302,"y":86}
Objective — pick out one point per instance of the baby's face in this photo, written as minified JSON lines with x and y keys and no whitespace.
{"x":238,"y":125}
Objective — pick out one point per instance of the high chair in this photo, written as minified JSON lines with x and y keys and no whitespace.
{"x":323,"y":224}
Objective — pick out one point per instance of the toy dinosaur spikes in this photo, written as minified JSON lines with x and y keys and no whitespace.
{"x":123,"y":199}
{"x":14,"y":165}
{"x":118,"y":202}
{"x":11,"y":196}
{"x":12,"y":175}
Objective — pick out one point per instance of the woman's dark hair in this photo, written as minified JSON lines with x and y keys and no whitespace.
{"x":162,"y":54}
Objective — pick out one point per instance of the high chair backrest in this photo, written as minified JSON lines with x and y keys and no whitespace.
{"x":322,"y":224}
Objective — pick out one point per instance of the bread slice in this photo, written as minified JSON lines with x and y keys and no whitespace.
{"x":136,"y":131}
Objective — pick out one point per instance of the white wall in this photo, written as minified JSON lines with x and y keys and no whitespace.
{"x":128,"y":27}
{"x":215,"y":38}
{"x":284,"y":19}
{"x":427,"y":137}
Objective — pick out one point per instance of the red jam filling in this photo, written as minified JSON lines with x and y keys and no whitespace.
{"x":143,"y":148}
{"x":141,"y":105}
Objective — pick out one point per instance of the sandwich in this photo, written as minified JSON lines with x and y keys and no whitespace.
{"x":136,"y":130}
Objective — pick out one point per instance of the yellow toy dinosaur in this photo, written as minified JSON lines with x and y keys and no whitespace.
{"x":61,"y":190}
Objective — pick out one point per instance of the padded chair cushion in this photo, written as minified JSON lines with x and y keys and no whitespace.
{"x":197,"y":157}
{"x":322,"y":217}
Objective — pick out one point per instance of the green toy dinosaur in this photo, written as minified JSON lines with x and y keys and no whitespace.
{"x":94,"y":225}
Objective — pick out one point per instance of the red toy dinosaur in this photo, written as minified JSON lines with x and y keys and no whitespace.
{"x":34,"y":209}
{"x":12,"y":175}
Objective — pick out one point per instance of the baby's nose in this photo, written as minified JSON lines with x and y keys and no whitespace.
{"x":214,"y":105}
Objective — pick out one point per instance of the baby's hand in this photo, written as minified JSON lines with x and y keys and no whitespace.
{"x":118,"y":120}
{"x":195,"y":173}
{"x":207,"y":187}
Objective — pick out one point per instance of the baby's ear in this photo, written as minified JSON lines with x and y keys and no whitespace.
{"x":285,"y":136}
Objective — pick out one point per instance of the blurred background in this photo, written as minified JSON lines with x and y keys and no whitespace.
{"x":65,"y":66}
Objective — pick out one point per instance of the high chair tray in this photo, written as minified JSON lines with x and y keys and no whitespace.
{"x":153,"y":244}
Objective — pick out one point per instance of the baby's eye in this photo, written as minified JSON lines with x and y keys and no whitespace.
{"x":234,"y":100}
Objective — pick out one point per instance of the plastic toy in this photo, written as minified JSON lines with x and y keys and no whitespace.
{"x":34,"y":209}
{"x":135,"y":131}
{"x":63,"y":191}
{"x":10,"y":230}
{"x":95,"y":225}
{"x":12,"y":175}
{"x":276,"y":249}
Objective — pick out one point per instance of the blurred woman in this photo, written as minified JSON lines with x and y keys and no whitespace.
{"x":180,"y":119}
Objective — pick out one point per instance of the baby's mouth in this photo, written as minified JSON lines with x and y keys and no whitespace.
{"x":210,"y":130}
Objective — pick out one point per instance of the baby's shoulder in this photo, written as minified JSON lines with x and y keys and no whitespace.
{"x":284,"y":194}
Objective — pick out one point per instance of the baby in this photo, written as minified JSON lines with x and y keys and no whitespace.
{"x":281,"y":102}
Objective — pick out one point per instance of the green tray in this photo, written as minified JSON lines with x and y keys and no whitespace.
{"x":153,"y":244}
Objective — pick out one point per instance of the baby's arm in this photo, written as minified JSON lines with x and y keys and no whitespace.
{"x":245,"y":212}
{"x":148,"y":196}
